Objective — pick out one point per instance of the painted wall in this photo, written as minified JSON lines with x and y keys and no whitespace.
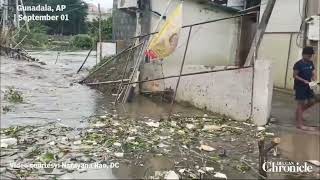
{"x":210,"y":44}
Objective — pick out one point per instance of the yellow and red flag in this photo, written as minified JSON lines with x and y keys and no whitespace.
{"x":166,"y":41}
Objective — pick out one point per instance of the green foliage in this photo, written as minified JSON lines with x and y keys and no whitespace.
{"x":37,"y":36}
{"x":13,"y":96}
{"x":47,"y":157}
{"x":6,"y":109}
{"x":82,"y":41}
{"x":106,"y":29}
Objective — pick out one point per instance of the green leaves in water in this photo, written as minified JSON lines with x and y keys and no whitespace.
{"x":13,"y":96}
{"x":47,"y":157}
{"x":12,"y":131}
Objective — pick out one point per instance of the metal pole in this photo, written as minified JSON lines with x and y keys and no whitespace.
{"x":100,"y":39}
{"x":84,"y":61}
{"x":201,"y":23}
{"x":181,"y":69}
{"x":57,"y":58}
{"x":260,"y":32}
{"x":175,"y":76}
{"x":17,"y":15}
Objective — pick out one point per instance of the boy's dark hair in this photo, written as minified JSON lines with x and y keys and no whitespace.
{"x":308,"y":50}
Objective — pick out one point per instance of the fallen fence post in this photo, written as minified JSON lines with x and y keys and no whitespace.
{"x":260,"y":32}
{"x":181,"y":69}
{"x":84,"y":61}
{"x":109,"y":82}
{"x":263,"y":152}
{"x":58,"y":55}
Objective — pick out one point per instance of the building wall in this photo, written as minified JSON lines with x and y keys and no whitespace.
{"x":210,"y":44}
{"x":282,"y":43}
{"x":124,"y":26}
{"x":230,"y":93}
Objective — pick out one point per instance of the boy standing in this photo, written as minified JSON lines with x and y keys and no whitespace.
{"x":304,"y":73}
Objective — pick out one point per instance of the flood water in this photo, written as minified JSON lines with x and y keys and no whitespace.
{"x":51,"y":92}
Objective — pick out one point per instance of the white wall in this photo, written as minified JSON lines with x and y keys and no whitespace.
{"x":281,"y":43}
{"x":108,"y":49}
{"x":210,"y":44}
{"x":225,"y":92}
{"x":286,"y":15}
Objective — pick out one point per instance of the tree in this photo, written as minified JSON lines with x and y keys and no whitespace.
{"x":106,"y":29}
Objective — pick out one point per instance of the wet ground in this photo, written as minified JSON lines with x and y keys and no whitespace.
{"x":61,"y":121}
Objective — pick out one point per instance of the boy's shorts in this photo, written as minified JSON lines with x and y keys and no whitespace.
{"x":306,"y":95}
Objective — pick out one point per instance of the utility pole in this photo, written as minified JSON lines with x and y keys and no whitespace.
{"x":5,"y":14}
{"x":100,"y":39}
{"x":24,"y":14}
{"x":17,"y":15}
{"x":4,"y":29}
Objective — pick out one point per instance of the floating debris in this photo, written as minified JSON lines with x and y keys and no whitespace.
{"x":190,"y":126}
{"x":8,"y":142}
{"x":220,"y":175}
{"x":171,"y":175}
{"x":77,"y":142}
{"x":207,"y":148}
{"x":211,"y":128}
{"x":269,"y":134}
{"x":117,"y":144}
{"x":52,"y":143}
{"x":208,"y":169}
{"x":153,"y":124}
{"x":99,"y":124}
{"x":119,"y":155}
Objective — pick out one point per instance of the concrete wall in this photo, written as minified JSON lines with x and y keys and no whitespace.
{"x":210,"y":44}
{"x":282,"y":43}
{"x":211,"y":47}
{"x":226,"y":92}
{"x":289,"y":21}
{"x":124,"y":25}
{"x":108,"y":49}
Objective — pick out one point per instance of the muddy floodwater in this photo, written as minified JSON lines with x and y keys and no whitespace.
{"x":51,"y":92}
{"x":60,"y":122}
